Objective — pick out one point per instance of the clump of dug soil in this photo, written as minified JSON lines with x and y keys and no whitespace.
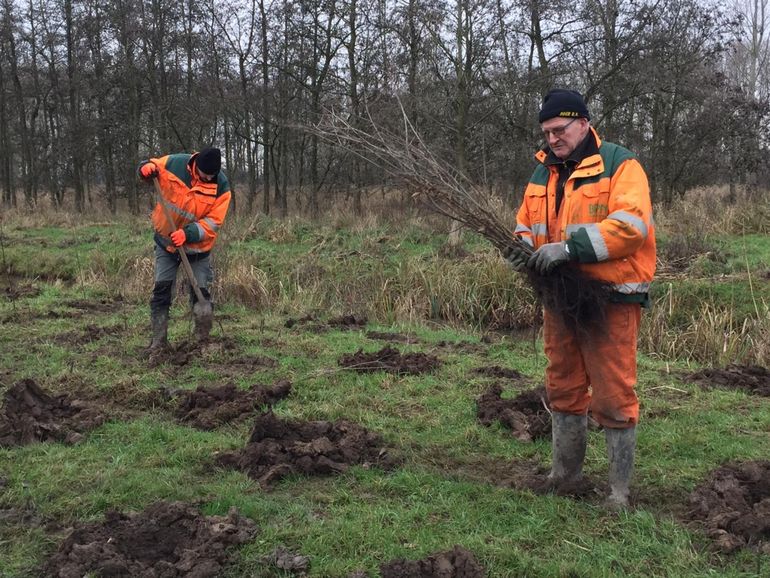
{"x":209,"y":407}
{"x":390,"y":360}
{"x":278,"y":447}
{"x":221,"y":352}
{"x":455,"y":563}
{"x":168,"y":539}
{"x":749,"y":378}
{"x":526,"y":415}
{"x":30,"y":414}
{"x":733,"y":504}
{"x":390,"y":336}
{"x":313,"y":324}
{"x":497,"y":371}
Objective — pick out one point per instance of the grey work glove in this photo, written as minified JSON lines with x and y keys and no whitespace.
{"x":548,"y":257}
{"x":516,"y":258}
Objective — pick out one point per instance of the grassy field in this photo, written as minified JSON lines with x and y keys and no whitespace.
{"x":75,"y":319}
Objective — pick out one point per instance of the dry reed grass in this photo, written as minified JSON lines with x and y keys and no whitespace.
{"x":712,"y":335}
{"x":476,"y":290}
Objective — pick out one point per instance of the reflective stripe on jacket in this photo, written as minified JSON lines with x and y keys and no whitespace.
{"x":605,"y":217}
{"x":194,"y":205}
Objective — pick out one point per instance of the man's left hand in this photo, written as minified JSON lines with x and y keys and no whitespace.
{"x":548,"y":257}
{"x":178,"y":237}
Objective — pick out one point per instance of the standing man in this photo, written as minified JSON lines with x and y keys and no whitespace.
{"x":196,"y":194}
{"x":587,"y":205}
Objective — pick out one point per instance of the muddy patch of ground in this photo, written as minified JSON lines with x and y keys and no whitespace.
{"x":348,"y":322}
{"x":20,"y":290}
{"x":287,"y":561}
{"x":30,"y":414}
{"x":733,"y":505}
{"x":749,"y":378}
{"x":88,"y":334}
{"x":278,"y":447}
{"x":460,"y":346}
{"x":526,"y":415}
{"x":390,"y":360}
{"x":209,"y":407}
{"x":455,"y":563}
{"x":495,"y":371}
{"x":313,"y":324}
{"x":520,"y":474}
{"x":167,"y":539}
{"x":95,"y":305}
{"x":221,"y":353}
{"x":533,"y":476}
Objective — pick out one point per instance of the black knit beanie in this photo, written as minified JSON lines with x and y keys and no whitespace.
{"x":563,"y":103}
{"x":209,"y":161}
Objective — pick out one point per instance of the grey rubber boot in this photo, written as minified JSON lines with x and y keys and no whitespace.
{"x":159,"y":321}
{"x":569,"y":447}
{"x":621,"y":447}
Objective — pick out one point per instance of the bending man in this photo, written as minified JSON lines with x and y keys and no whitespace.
{"x":196,"y":194}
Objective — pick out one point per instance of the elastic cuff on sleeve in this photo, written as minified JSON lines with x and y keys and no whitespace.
{"x":192,"y":233}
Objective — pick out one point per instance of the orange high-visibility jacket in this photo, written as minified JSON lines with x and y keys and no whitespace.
{"x":605,"y":217}
{"x":197,"y":207}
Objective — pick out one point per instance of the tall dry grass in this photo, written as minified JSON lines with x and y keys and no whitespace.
{"x":713,"y":335}
{"x":473,"y":289}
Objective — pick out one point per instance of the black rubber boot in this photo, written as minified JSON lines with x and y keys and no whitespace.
{"x":621,"y":447}
{"x":568,"y":446}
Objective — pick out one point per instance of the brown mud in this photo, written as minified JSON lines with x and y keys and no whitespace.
{"x":88,"y":334}
{"x":752,"y":379}
{"x":455,"y":563}
{"x":168,"y":539}
{"x":392,"y":337}
{"x":209,"y":407}
{"x":526,"y":415}
{"x":95,"y":305}
{"x":521,"y":474}
{"x":19,"y":290}
{"x":498,"y":372}
{"x":30,"y":414}
{"x":278,"y":448}
{"x":222,"y":354}
{"x":390,"y":360}
{"x":733,"y":506}
{"x":287,"y":561}
{"x":314,"y":325}
{"x":460,"y":346}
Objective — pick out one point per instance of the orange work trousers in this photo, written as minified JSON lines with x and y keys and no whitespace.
{"x":595,"y":371}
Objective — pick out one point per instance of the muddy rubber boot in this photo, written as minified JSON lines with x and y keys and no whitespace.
{"x":159,"y":331}
{"x":203,"y":319}
{"x":569,"y":448}
{"x":621,"y":446}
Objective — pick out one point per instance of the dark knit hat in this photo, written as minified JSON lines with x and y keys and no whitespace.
{"x":560,"y":102}
{"x":209,"y":161}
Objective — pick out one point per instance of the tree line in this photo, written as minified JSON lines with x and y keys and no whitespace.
{"x":88,"y":88}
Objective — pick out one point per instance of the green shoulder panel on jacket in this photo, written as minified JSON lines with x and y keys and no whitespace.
{"x":177,"y":165}
{"x":613,"y":156}
{"x":223,"y":185}
{"x":540,"y":176}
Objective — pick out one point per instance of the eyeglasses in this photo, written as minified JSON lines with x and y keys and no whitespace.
{"x":559,"y":130}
